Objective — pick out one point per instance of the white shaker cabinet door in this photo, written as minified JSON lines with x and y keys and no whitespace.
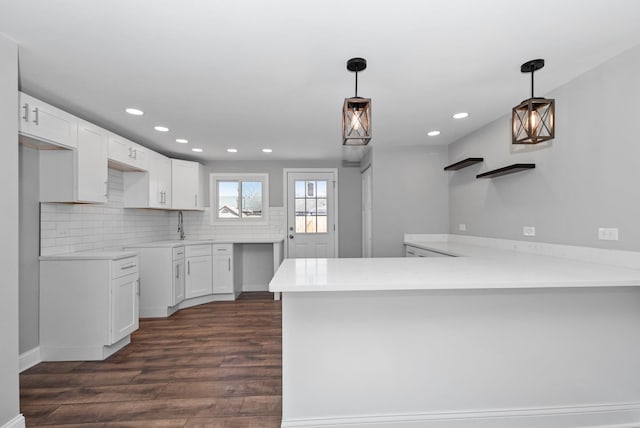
{"x":124,"y":306}
{"x":43,"y":122}
{"x":92,"y":161}
{"x":178,"y":281}
{"x":222,"y":273}
{"x":185,"y":183}
{"x":198,"y":281}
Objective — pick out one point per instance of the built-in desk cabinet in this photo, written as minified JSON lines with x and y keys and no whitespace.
{"x":88,"y":308}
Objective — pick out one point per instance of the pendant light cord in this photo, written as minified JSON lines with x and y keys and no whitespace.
{"x":356,"y":84}
{"x":532,"y":71}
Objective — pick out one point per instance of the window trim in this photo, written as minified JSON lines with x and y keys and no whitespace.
{"x":213,"y":193}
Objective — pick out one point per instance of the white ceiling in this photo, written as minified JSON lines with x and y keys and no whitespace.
{"x":251,"y":74}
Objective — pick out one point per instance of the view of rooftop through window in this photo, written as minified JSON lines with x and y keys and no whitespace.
{"x":239,"y":199}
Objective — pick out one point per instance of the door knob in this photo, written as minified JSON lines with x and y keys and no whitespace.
{"x":290,"y":236}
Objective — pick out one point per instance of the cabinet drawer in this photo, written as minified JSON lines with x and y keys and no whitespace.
{"x":178,"y":253}
{"x":222,"y":249}
{"x":124,"y":267}
{"x":198,"y":250}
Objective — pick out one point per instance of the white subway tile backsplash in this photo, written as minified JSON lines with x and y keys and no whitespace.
{"x":68,"y":228}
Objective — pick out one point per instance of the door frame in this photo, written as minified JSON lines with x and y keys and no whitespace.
{"x":285,"y":204}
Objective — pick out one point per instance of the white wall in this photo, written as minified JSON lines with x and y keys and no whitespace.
{"x":9,"y":203}
{"x":410,"y":195}
{"x":587,"y":178}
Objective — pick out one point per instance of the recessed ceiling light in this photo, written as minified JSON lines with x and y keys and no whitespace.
{"x":161,"y":128}
{"x":232,"y":150}
{"x":134,"y":111}
{"x":267,"y":150}
{"x":433,"y":133}
{"x":461,"y":115}
{"x":181,"y":141}
{"x":197,"y":150}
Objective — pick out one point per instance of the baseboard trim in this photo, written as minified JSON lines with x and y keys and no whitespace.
{"x":255,"y":287}
{"x":28,"y":359}
{"x":594,"y":416}
{"x":17,"y":422}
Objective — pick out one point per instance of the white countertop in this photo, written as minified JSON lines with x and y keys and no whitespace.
{"x":476,"y":267}
{"x":178,"y":243}
{"x":91,"y":255}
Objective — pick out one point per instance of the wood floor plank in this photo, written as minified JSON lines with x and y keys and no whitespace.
{"x":217,"y":365}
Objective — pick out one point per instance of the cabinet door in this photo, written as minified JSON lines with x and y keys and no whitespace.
{"x":198,"y":281}
{"x":44,"y":122}
{"x":124,"y":306}
{"x":222,"y":274}
{"x":159,"y":180}
{"x":92,"y":163}
{"x":185,"y":183}
{"x":178,"y":282}
{"x":119,"y":150}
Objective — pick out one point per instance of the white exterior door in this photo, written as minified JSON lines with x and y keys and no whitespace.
{"x":311,"y":222}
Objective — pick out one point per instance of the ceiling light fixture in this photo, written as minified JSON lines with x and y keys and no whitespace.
{"x":433,"y":133}
{"x":181,"y":141}
{"x":161,"y":128}
{"x":197,"y":150}
{"x":134,"y":111}
{"x":461,"y":115}
{"x":356,"y":112}
{"x":266,"y":150}
{"x":232,"y":150}
{"x":533,"y":120}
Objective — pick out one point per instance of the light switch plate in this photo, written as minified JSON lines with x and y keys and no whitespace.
{"x":462,"y":227}
{"x":608,"y":233}
{"x":529,"y":231}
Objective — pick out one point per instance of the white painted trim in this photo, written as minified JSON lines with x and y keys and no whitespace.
{"x":17,"y":422}
{"x":624,"y":415}
{"x":28,"y":359}
{"x":213,"y":198}
{"x":285,"y":203}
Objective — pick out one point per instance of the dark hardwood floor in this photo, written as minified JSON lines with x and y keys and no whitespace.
{"x":217,"y":365}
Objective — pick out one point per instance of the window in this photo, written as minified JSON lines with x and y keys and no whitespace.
{"x":239,"y":198}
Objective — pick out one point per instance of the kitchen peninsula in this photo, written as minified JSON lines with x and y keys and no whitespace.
{"x":488,"y":337}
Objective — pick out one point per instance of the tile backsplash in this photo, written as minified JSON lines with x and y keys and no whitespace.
{"x":66,"y":228}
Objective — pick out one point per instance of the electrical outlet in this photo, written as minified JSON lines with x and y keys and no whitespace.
{"x":608,"y":233}
{"x":462,"y":227}
{"x":529,"y":231}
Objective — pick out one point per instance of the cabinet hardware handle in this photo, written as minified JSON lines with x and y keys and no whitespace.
{"x":135,"y":154}
{"x":26,"y":112}
{"x":177,"y":271}
{"x":130,"y":149}
{"x":409,"y":252}
{"x":229,"y":261}
{"x":189,"y":268}
{"x":127,"y":267}
{"x":37,"y":119}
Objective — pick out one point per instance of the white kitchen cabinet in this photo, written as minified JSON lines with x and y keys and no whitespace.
{"x":77,"y":175}
{"x":41,"y":122}
{"x":152,"y":188}
{"x":198,"y":281}
{"x":126,"y":155}
{"x":187,"y":185}
{"x":88,"y":307}
{"x":223,"y":268}
{"x":178,"y":284}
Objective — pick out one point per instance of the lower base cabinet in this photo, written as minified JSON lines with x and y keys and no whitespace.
{"x":199,"y":278}
{"x":88,"y":308}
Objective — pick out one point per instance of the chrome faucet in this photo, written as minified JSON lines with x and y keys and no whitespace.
{"x":180,"y":226}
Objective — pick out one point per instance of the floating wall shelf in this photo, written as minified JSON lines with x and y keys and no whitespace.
{"x":463,"y":164}
{"x":516,"y":167}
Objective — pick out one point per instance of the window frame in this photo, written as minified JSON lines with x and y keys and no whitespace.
{"x":214,"y":178}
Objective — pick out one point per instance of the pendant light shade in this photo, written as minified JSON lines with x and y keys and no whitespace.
{"x":533,"y":120}
{"x":356,"y":112}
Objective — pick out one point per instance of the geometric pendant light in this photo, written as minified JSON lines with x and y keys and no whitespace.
{"x":533,"y":120}
{"x":356,"y":112}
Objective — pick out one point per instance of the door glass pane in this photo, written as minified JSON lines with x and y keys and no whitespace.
{"x":311,"y":189}
{"x":321,"y":188}
{"x":322,"y":224}
{"x":252,"y":199}
{"x":311,"y":224}
{"x":311,"y":206}
{"x":300,"y":224}
{"x":300,"y":207}
{"x":322,"y":206}
{"x":300,"y":192}
{"x":228,"y":199}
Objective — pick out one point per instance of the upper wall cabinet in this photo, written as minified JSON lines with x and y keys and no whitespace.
{"x":79,"y":175}
{"x":127,"y":155}
{"x":42,"y":124}
{"x":187,"y":185}
{"x":150,"y":189}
